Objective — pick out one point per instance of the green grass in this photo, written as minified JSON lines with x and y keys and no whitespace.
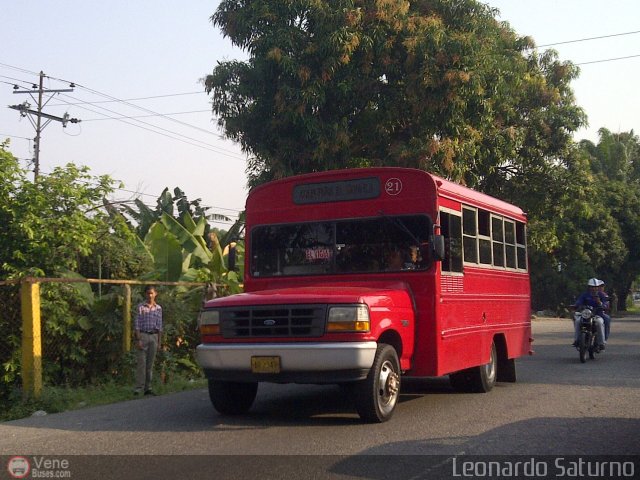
{"x":60,"y":399}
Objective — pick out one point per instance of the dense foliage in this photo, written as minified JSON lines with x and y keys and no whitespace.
{"x":615,"y":200}
{"x":62,"y":226}
{"x":49,"y":228}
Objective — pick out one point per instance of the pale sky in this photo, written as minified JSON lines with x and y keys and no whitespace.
{"x":123,"y":49}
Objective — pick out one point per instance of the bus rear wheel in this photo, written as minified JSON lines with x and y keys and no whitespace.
{"x":477,"y":379}
{"x":232,"y":398}
{"x":376,"y":396}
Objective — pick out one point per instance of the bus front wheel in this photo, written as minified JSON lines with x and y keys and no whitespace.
{"x":376,"y":396}
{"x":232,"y":398}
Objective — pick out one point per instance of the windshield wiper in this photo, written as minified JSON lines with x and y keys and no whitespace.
{"x":401,"y":225}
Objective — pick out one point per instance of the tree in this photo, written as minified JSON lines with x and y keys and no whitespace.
{"x":591,"y":227}
{"x":50,"y":224}
{"x":432,"y":84}
{"x":49,"y":228}
{"x":10,"y":176}
{"x":614,"y":163}
{"x":573,"y":240}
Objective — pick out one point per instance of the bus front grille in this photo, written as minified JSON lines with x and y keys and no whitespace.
{"x":273,"y":321}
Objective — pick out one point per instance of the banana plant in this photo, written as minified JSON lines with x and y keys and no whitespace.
{"x":181,"y":252}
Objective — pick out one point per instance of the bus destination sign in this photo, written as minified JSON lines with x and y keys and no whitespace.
{"x":342,"y":191}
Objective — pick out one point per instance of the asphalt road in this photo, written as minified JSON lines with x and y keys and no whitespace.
{"x":558,"y":407}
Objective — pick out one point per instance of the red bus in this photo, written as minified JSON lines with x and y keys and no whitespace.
{"x":360,"y":277}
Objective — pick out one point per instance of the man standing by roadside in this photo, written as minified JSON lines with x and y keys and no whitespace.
{"x":147,"y":336}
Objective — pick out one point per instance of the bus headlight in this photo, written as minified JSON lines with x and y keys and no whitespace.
{"x":209,"y":322}
{"x":348,"y":318}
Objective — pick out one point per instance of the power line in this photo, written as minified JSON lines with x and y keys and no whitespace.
{"x":20,"y":69}
{"x":151,"y":97}
{"x":124,"y":102}
{"x":139,"y":98}
{"x":14,"y":136}
{"x":607,"y":60}
{"x":140,"y":116}
{"x":152,"y":113}
{"x":79,"y":103}
{"x":169,"y":133}
{"x":24,"y":82}
{"x":587,"y":39}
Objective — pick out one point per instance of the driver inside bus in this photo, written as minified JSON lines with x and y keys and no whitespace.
{"x":398,"y":258}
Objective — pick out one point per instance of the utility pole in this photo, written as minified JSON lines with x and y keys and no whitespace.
{"x":25,"y":110}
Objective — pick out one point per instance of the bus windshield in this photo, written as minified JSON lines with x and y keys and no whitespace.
{"x":370,"y":245}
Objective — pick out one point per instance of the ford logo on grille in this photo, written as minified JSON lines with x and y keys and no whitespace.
{"x":269,"y":323}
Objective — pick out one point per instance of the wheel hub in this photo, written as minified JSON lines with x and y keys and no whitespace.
{"x":389,"y":385}
{"x":393,"y":384}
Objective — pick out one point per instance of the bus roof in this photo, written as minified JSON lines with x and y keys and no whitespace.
{"x":445,"y":188}
{"x":455,"y":191}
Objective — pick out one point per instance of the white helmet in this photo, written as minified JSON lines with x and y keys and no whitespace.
{"x":600,"y":282}
{"x":593,"y":282}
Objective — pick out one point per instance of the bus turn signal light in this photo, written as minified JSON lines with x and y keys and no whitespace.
{"x":209,"y":329}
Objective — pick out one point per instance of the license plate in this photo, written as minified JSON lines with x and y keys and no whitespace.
{"x":265,"y":364}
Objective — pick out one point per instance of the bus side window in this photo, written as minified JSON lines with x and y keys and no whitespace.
{"x":451,"y":229}
{"x":521,"y":245}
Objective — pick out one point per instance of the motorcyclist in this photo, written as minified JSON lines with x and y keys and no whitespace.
{"x":591,"y":298}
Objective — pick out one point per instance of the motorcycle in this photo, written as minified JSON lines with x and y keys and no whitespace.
{"x":587,"y":338}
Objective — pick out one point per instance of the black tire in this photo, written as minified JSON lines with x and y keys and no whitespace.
{"x":477,"y":379}
{"x":376,"y":396}
{"x":593,"y":346}
{"x":507,"y":370}
{"x":232,"y":398}
{"x":583,"y":342}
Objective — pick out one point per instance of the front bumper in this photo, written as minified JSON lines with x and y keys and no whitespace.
{"x":299,"y":362}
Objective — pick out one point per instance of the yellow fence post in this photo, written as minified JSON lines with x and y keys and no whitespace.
{"x":31,"y":339}
{"x":126,"y":317}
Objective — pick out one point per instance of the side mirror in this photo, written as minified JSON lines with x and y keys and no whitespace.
{"x":438,"y":247}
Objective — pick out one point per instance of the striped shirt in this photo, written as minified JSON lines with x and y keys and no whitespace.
{"x":149,"y":318}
